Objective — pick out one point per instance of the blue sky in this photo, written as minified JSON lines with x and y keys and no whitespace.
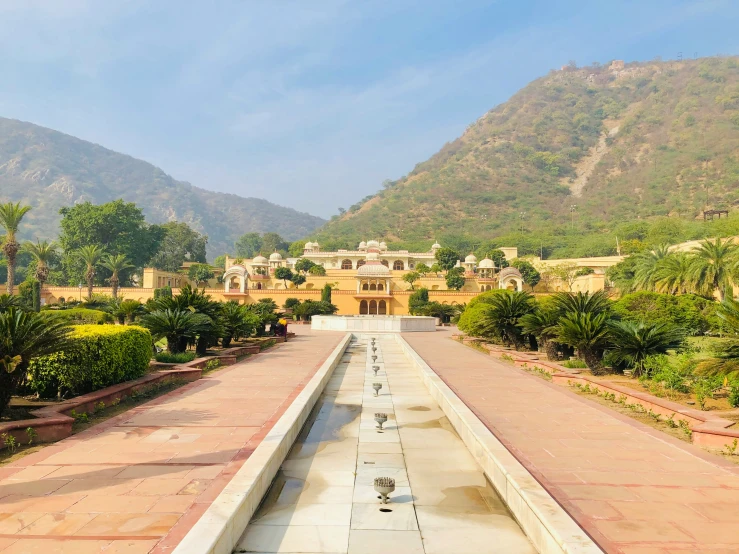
{"x":311,"y":104}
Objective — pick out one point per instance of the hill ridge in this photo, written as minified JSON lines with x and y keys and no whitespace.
{"x":49,"y":169}
{"x":675,"y":154}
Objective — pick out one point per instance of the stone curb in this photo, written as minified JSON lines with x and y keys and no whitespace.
{"x":548,"y":526}
{"x":52,"y":423}
{"x":221,"y":526}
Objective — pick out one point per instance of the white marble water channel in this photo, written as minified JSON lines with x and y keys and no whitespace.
{"x":323,"y":499}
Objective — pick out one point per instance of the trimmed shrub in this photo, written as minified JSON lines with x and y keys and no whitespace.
{"x":179,"y":358}
{"x":97,"y":357}
{"x":84,"y":316}
{"x":694,"y":314}
{"x":471,"y":319}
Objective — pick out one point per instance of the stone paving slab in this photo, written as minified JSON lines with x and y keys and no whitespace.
{"x":137,"y":482}
{"x":633,"y":489}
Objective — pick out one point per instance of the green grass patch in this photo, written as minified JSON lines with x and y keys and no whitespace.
{"x":179,"y":358}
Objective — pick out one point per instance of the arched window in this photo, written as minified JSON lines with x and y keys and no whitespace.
{"x":398,"y":265}
{"x":373,"y":307}
{"x":365,"y":285}
{"x":380,"y":286}
{"x":360,"y":263}
{"x":385,"y":263}
{"x":373,"y":286}
{"x":382,"y":308}
{"x":363,"y":308}
{"x":346,"y":264}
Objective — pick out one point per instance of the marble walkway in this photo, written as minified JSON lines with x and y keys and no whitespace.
{"x":323,"y":499}
{"x":634,"y":489}
{"x":136,"y":483}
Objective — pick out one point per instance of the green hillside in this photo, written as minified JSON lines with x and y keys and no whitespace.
{"x":48,"y":170}
{"x":655,"y":141}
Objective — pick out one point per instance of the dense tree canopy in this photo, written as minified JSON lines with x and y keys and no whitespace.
{"x":118,"y":227}
{"x":179,"y":244}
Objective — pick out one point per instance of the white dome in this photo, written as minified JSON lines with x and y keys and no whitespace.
{"x":275,"y":257}
{"x":471,"y":259}
{"x":383,"y":246}
{"x":373,"y":244}
{"x":435,"y":246}
{"x":362,"y":245}
{"x":373,"y":269}
{"x":315,"y":245}
{"x":259,"y":260}
{"x":308,"y":246}
{"x":486,"y":263}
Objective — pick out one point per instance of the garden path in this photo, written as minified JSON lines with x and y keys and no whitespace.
{"x":634,"y":489}
{"x":137,"y":482}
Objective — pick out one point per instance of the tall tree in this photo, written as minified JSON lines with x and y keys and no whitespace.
{"x":200,"y":273}
{"x":179,"y":244}
{"x":249,"y":245}
{"x":672,"y":274}
{"x":91,"y":256}
{"x":119,"y":227}
{"x":646,"y":263}
{"x":10,"y":219}
{"x":116,"y":263}
{"x":713,"y":265}
{"x":447,"y":258}
{"x":43,"y":253}
{"x":272,"y":242}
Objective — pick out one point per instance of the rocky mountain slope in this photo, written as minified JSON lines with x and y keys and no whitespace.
{"x":48,"y":170}
{"x":620,"y":142}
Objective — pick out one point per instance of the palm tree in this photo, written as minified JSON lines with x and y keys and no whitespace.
{"x":43,"y":252}
{"x":646,"y":263}
{"x":10,"y":218}
{"x":91,"y":256}
{"x":196,"y":301}
{"x":634,"y":341}
{"x":672,"y":274}
{"x":726,"y":362}
{"x":178,"y":326}
{"x":581,"y":302}
{"x":7,"y":301}
{"x":236,"y":322}
{"x":589,"y":333}
{"x":503,"y":313}
{"x":116,"y":263}
{"x":542,"y":323}
{"x":125,"y":310}
{"x":24,"y":336}
{"x":713,"y":264}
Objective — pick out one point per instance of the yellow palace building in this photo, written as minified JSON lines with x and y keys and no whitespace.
{"x":367,"y":280}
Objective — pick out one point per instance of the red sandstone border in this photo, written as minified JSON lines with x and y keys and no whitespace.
{"x":708,"y":430}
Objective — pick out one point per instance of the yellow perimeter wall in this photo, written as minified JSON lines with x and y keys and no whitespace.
{"x":344,"y":294}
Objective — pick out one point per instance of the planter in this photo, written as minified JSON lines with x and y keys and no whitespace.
{"x":53,"y":423}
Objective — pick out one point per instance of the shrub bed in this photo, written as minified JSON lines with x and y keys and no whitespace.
{"x":84,"y":316}
{"x":97,"y":357}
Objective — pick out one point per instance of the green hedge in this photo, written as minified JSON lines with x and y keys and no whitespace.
{"x":84,"y":316}
{"x":694,"y":314}
{"x":98,"y":356}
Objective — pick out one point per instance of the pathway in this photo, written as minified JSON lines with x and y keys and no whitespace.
{"x":137,"y":482}
{"x":632,"y":488}
{"x":323,"y":499}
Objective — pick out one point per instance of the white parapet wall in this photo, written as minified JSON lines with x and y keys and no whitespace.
{"x":220,"y":527}
{"x":373,"y":323}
